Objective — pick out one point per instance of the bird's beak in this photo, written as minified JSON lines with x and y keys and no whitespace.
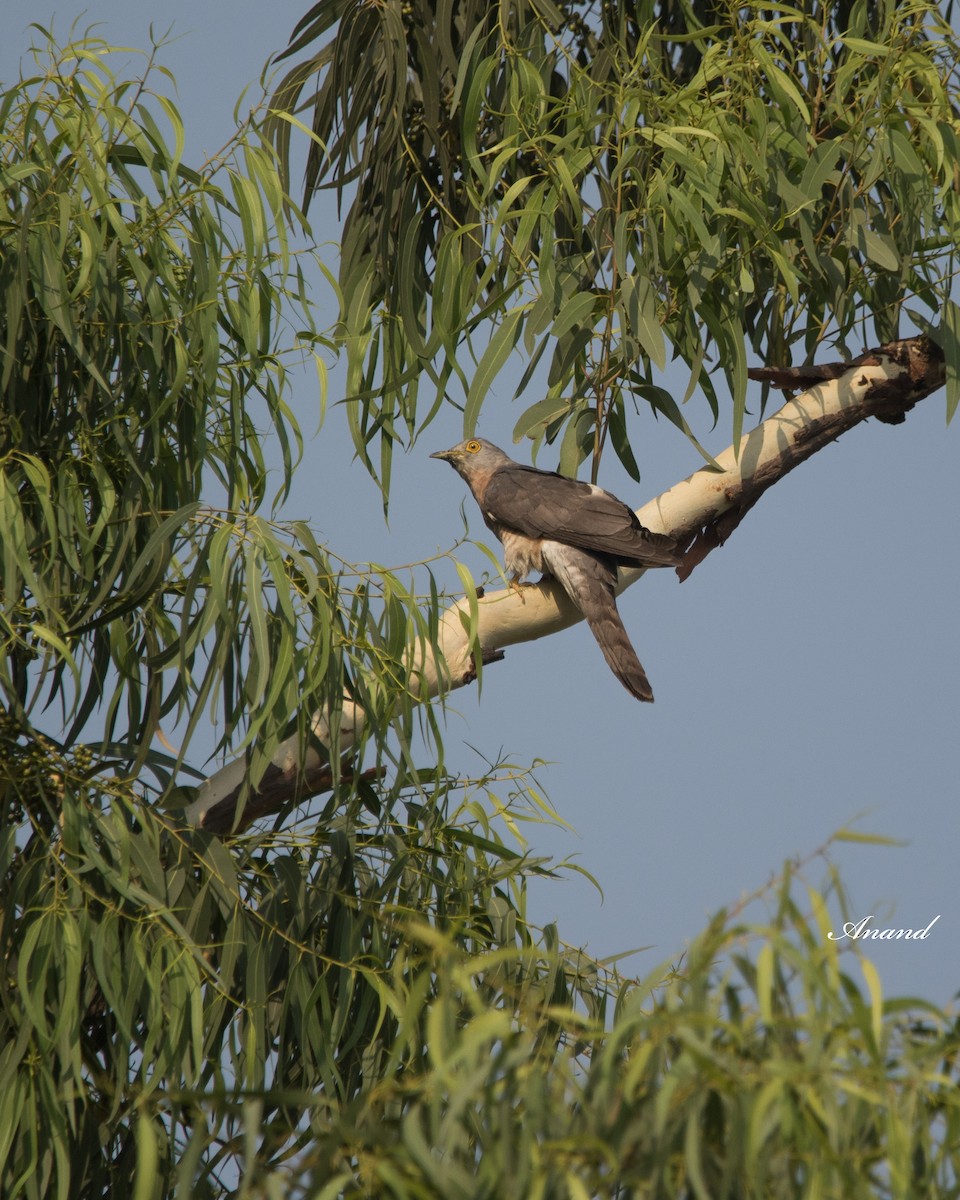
{"x":445,"y":455}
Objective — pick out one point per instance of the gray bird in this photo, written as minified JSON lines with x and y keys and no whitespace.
{"x":573,"y":531}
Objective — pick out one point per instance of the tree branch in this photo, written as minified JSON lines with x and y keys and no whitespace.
{"x":701,"y":512}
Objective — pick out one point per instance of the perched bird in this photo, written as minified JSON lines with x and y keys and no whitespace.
{"x":573,"y":531}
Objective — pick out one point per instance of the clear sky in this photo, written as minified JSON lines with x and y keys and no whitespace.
{"x":806,"y":674}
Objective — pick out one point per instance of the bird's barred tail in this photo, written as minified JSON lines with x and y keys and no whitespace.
{"x":589,"y":579}
{"x":621,"y":657}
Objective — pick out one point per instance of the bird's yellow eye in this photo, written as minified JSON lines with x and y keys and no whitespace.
{"x":473,"y":446}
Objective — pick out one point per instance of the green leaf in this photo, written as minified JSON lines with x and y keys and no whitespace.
{"x":949,"y":337}
{"x":765,"y":982}
{"x":661,"y":401}
{"x":148,"y":1158}
{"x":878,"y":249}
{"x":538,"y":416}
{"x":491,"y":361}
{"x":875,"y":988}
{"x":821,"y":169}
{"x":864,"y":47}
{"x":867,"y":839}
{"x":621,"y":442}
{"x":576,"y":313}
{"x":640,"y":306}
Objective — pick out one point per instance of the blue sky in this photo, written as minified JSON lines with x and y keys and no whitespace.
{"x":806,"y":674}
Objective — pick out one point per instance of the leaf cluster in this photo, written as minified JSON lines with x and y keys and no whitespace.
{"x":358,"y":1006}
{"x":740,"y":1072}
{"x":161,"y":989}
{"x":147,"y":314}
{"x":602,"y":187}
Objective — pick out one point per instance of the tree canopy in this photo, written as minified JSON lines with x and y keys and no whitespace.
{"x":353,"y":1000}
{"x":606,"y":186}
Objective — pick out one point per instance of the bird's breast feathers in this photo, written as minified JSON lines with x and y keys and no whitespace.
{"x":521,"y":554}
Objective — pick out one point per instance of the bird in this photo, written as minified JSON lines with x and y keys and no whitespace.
{"x":572,"y":531}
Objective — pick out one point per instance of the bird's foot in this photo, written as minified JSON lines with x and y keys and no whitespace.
{"x":518,"y":585}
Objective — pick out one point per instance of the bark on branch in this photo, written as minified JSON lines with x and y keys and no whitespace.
{"x":701,"y":512}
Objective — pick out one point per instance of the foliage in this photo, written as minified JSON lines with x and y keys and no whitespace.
{"x":161,"y":991}
{"x":146,"y":309}
{"x":768,"y":1076}
{"x":158,"y":986}
{"x":357,"y":1007}
{"x":602,"y":186}
{"x":357,"y":1004}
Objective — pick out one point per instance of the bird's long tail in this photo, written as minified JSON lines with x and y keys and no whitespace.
{"x":608,"y":629}
{"x":588,"y":580}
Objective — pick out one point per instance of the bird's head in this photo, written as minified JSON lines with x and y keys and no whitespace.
{"x":474,"y":456}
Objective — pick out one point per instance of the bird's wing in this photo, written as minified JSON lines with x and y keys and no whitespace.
{"x":541,"y":504}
